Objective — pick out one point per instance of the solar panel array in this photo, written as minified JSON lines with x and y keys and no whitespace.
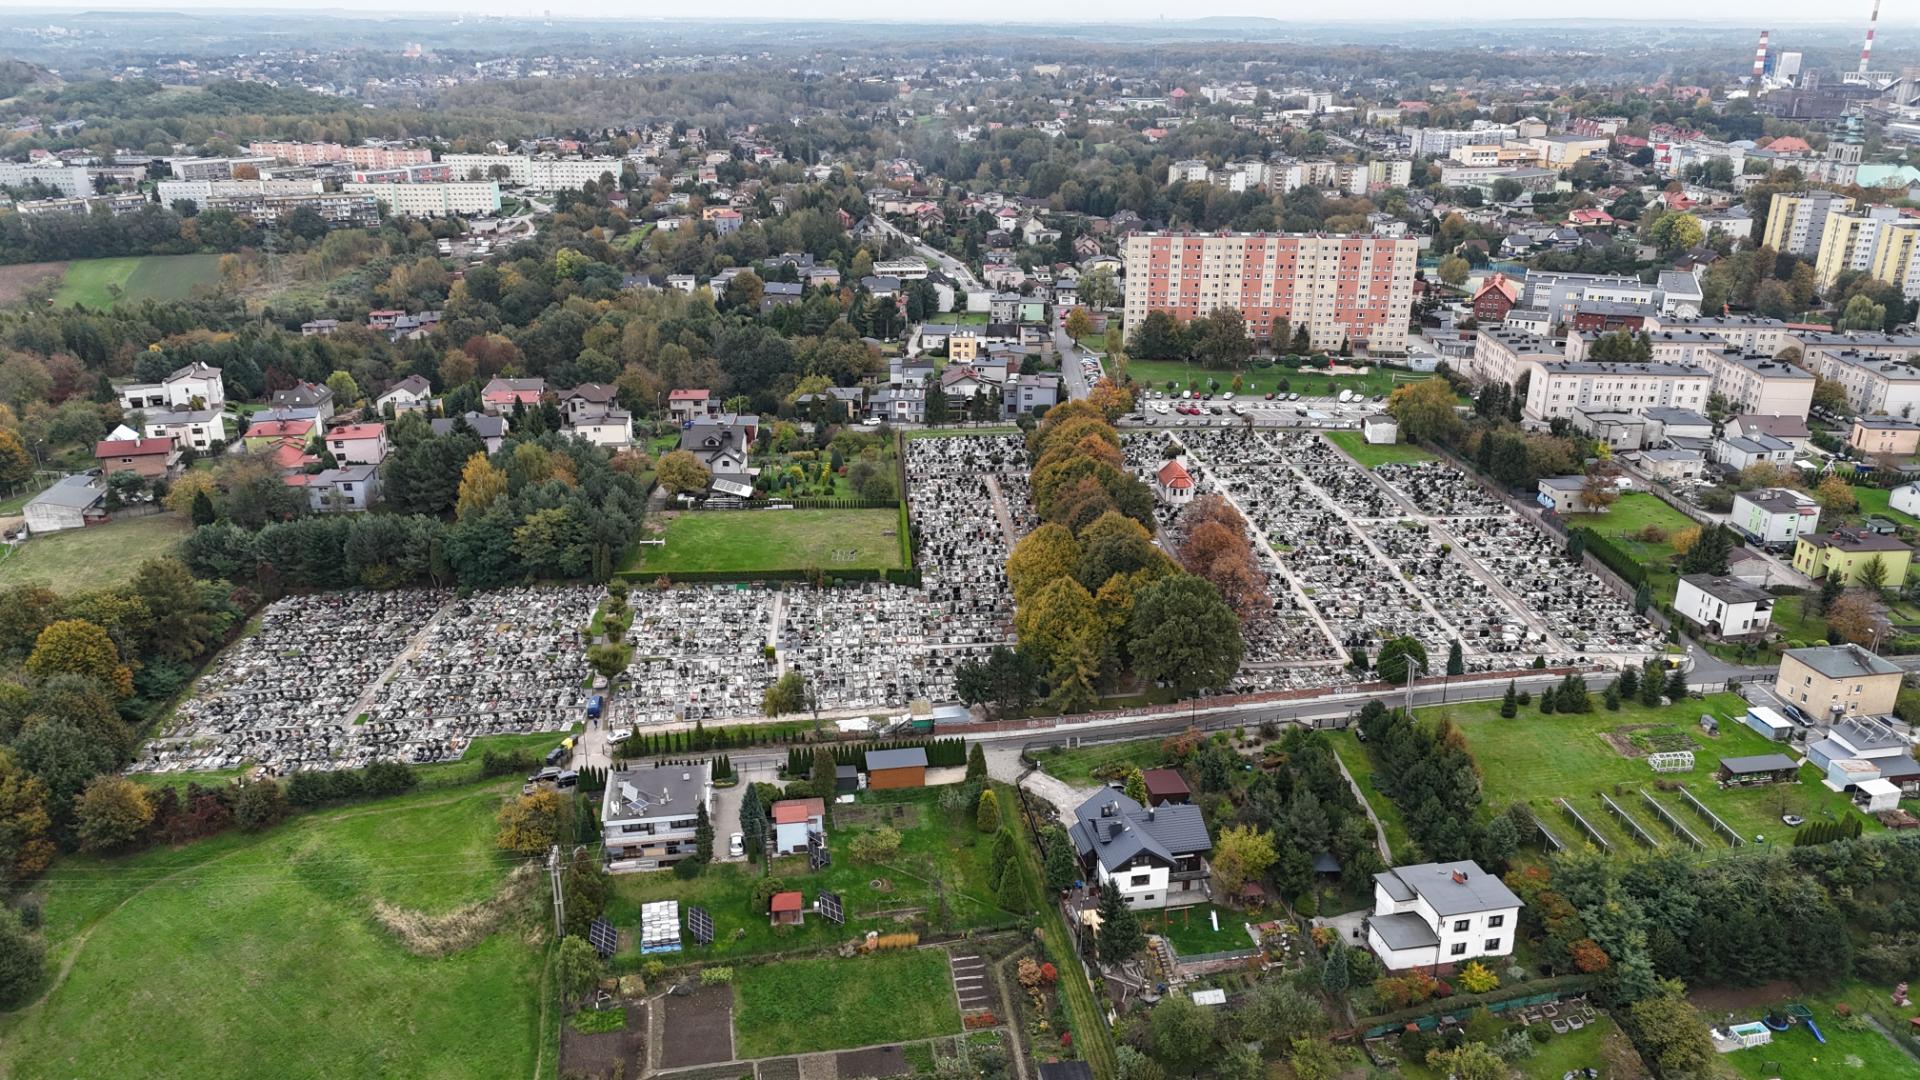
{"x":818,"y":857}
{"x":700,"y":925}
{"x":831,"y":909}
{"x":603,"y":937}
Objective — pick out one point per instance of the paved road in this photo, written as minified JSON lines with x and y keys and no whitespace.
{"x":1070,"y":374}
{"x":948,"y":265}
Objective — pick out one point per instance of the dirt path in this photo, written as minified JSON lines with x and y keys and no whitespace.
{"x":1000,"y":511}
{"x":1379,"y":830}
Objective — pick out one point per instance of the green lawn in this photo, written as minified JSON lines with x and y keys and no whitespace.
{"x":1536,"y":759}
{"x":1257,"y":380}
{"x":933,"y":844}
{"x":1080,"y":766}
{"x":1354,"y":756}
{"x":1635,"y":511}
{"x":750,"y":540}
{"x":830,"y":1003}
{"x":100,"y":283}
{"x":1191,"y":931}
{"x":1849,"y":1054}
{"x":1874,"y":501}
{"x":255,"y":954}
{"x":1372,"y":455}
{"x":95,"y":557}
{"x":1597,"y":1045}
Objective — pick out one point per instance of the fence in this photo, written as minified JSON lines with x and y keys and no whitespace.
{"x":1517,"y":996}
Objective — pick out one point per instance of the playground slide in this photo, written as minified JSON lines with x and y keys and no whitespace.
{"x":1815,"y":1029}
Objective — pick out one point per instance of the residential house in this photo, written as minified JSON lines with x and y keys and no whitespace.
{"x":684,"y":405}
{"x":898,"y":405}
{"x":1845,"y":555}
{"x":409,"y":394}
{"x":1724,"y":606}
{"x":1672,"y":466}
{"x":1889,"y":435}
{"x":1172,"y":484}
{"x":72,"y":502}
{"x":1154,"y":856}
{"x":1440,"y":914}
{"x":1906,"y":499}
{"x":1838,"y":680}
{"x":781,"y":293}
{"x":723,"y":444}
{"x":793,"y":819}
{"x":1791,"y":430}
{"x":648,"y":815}
{"x":1738,"y":452}
{"x":1769,"y":516}
{"x":306,"y":395}
{"x":500,"y":396}
{"x":203,"y":430}
{"x":1165,"y":786}
{"x":358,"y":444}
{"x":264,"y":434}
{"x":1031,"y":394}
{"x":1562,"y":494}
{"x":903,"y":768}
{"x":491,"y":429}
{"x":195,"y":386}
{"x":587,"y":397}
{"x":607,"y":426}
{"x":350,"y":488}
{"x":150,"y":459}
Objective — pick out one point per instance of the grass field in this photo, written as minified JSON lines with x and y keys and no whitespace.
{"x":101,"y":283}
{"x":1256,"y":380}
{"x":933,"y":844}
{"x":829,"y":1003}
{"x":1077,"y":766}
{"x":1373,"y":456}
{"x":1191,"y":931}
{"x":1354,"y":757}
{"x":1535,"y":759}
{"x":94,"y":557}
{"x":252,"y":954}
{"x":1874,"y":501}
{"x":1634,"y":512}
{"x":1600,"y":1045}
{"x":750,"y":540}
{"x":1849,"y":1054}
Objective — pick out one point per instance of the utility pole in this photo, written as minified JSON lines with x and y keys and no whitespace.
{"x":559,"y":901}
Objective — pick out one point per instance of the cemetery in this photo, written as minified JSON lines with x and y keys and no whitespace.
{"x":1465,"y":567}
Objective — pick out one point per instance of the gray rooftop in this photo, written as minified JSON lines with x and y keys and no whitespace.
{"x":1758,"y":763}
{"x":654,"y":792}
{"x":1404,"y":931}
{"x":1843,"y":661}
{"x":1454,"y":888}
{"x":911,"y":757}
{"x":1115,"y":829}
{"x":487,"y":427}
{"x":79,"y":490}
{"x":1727,"y":590}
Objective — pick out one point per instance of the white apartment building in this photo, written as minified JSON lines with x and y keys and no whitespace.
{"x":69,"y":180}
{"x":1797,"y":223}
{"x":1726,"y":606}
{"x":1774,"y":515}
{"x":202,"y":192}
{"x":1751,"y":333}
{"x":1190,"y":171}
{"x":1439,"y":142}
{"x":1437,"y":914}
{"x":1758,"y":383}
{"x":1876,"y":384}
{"x":1558,"y":388}
{"x":1501,"y":354}
{"x":325,"y":153}
{"x":1390,"y":172}
{"x":433,"y":200}
{"x":538,"y":174}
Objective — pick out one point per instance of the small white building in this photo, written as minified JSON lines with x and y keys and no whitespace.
{"x":1562,"y":494}
{"x":1740,"y":452}
{"x":70,"y":503}
{"x":1438,"y":914}
{"x":407,"y":395}
{"x":1172,"y":484}
{"x":358,"y":444}
{"x":1906,"y":499}
{"x":793,"y":819}
{"x":196,"y":386}
{"x":1380,"y":429}
{"x":1725,"y":606}
{"x":605,"y":426}
{"x":650,"y":815}
{"x":346,"y":490}
{"x":1775,"y":515}
{"x":199,"y":429}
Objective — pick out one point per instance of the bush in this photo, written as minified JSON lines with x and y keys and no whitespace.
{"x":716,"y":976}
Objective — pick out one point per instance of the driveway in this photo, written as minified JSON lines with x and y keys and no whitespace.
{"x":726,"y":805}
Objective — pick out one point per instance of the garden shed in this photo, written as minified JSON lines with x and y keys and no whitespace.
{"x":906,"y":768}
{"x":1758,"y":769}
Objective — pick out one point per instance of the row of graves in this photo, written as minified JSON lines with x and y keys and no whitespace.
{"x":963,"y":543}
{"x":1461,"y":564}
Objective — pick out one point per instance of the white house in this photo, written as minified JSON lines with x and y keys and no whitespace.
{"x":1438,"y":914}
{"x":196,"y":428}
{"x":793,"y":819}
{"x":358,"y":444}
{"x":1775,"y":515}
{"x":1562,"y":494}
{"x":1725,"y":606}
{"x":196,"y":386}
{"x":649,"y":814}
{"x":1741,"y":451}
{"x":606,"y":426}
{"x":1380,"y":429}
{"x":492,"y":430}
{"x":347,"y":489}
{"x":409,"y":394}
{"x":1155,"y":856}
{"x":1173,"y":484}
{"x":1906,"y":499}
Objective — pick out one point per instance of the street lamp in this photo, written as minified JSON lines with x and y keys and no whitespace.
{"x":1412,"y":663}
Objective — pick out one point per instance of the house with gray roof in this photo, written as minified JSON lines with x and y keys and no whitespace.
{"x":1156,"y":856}
{"x":1438,"y":915}
{"x":648,"y":815}
{"x":69,"y":504}
{"x":491,"y":429}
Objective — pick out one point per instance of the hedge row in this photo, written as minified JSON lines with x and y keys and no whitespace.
{"x":1602,"y":548}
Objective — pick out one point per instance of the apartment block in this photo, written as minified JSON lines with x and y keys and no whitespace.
{"x":1853,"y":241}
{"x":1501,"y":354}
{"x":1560,"y":387}
{"x":1877,"y":384}
{"x":1341,"y":287}
{"x":1796,"y":223}
{"x":539,"y":174}
{"x":327,"y":153}
{"x":1751,"y":333}
{"x":1758,"y":383}
{"x":434,"y":200}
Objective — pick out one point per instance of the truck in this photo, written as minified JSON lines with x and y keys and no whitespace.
{"x":595,"y":705}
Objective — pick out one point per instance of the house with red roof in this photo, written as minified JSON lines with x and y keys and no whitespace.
{"x":1173,"y":484}
{"x":358,"y":444}
{"x":150,"y":459}
{"x":265,"y":434}
{"x":691,"y":404}
{"x":1498,"y":296}
{"x":793,"y":819}
{"x":786,"y":909}
{"x":499,"y":396}
{"x":1588,"y":217}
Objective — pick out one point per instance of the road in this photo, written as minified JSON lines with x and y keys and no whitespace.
{"x":1070,"y":374}
{"x":948,"y":265}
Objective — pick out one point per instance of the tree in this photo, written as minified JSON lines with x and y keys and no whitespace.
{"x":1468,"y":1061}
{"x":1456,"y":661}
{"x":1183,"y":632}
{"x":1872,"y":573}
{"x":1046,"y":554}
{"x":345,"y":390}
{"x":1510,"y":703}
{"x":16,"y":465}
{"x":259,"y":804}
{"x":986,"y":813}
{"x":1277,"y":1012}
{"x":1670,"y":1034}
{"x":680,"y":473}
{"x":26,"y":844}
{"x":788,"y":694}
{"x":1476,"y":979}
{"x":1219,"y":338}
{"x":1398,"y":656}
{"x":78,"y":647}
{"x":1120,"y":937}
{"x":1861,"y":313}
{"x":1241,"y":854}
{"x":530,"y":824}
{"x":875,"y":846}
{"x":1599,"y":492}
{"x":753,"y":825}
{"x":577,"y":965}
{"x":1182,"y":1035}
{"x":1079,"y":324}
{"x":1062,"y":870}
{"x":607,"y":660}
{"x":1710,"y":554}
{"x":1454,"y":270}
{"x":202,"y":509}
{"x":21,"y":960}
{"x":1858,"y":617}
{"x":1136,"y":786}
{"x":1835,"y":495}
{"x":977,"y":762}
{"x":111,"y":813}
{"x":702,"y":835}
{"x":1425,"y":410}
{"x":481,"y":485}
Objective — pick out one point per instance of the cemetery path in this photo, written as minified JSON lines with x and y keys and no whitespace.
{"x":415,"y":645}
{"x":1000,"y":511}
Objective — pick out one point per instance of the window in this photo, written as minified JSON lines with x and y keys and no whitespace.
{"x":1458,"y":950}
{"x":1142,"y":879}
{"x":1496,"y":921}
{"x":1493,"y":944}
{"x":1460,"y":925}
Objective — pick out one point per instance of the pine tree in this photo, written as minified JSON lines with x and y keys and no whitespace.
{"x":1546,"y":701}
{"x":1677,"y":684}
{"x":977,"y":762}
{"x":1456,"y":661}
{"x":1334,"y":977}
{"x":1642,"y":597}
{"x":1612,"y":697}
{"x":987,"y":813}
{"x":1510,"y":704}
{"x":1062,"y":872}
{"x":702,"y":835}
{"x":1120,"y":936}
{"x":1136,"y":787}
{"x":1653,"y":683}
{"x":1629,"y":683}
{"x":753,"y":823}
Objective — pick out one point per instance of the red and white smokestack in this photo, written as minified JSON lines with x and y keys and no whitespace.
{"x":1866,"y":51}
{"x":1760,"y":58}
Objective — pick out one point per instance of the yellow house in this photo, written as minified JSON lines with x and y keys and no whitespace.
{"x":963,"y":347}
{"x":1885,"y":435}
{"x":1840,"y":554}
{"x":1844,"y":679}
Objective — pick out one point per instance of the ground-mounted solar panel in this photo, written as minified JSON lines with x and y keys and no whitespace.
{"x":700,"y":925}
{"x":818,"y":857}
{"x":831,"y":909}
{"x":603,"y":937}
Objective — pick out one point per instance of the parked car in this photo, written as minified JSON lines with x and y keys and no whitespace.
{"x":736,"y":845}
{"x":1797,"y":714}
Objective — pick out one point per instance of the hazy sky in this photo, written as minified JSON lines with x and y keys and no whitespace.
{"x":1755,"y":13}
